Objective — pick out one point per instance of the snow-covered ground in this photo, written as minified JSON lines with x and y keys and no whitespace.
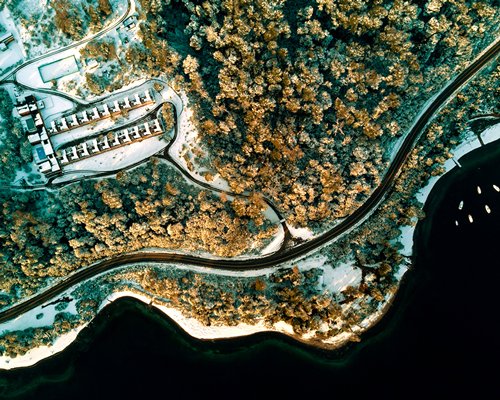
{"x":54,"y":104}
{"x":36,"y":318}
{"x":40,"y":353}
{"x":30,"y":76}
{"x":186,"y":142}
{"x":275,"y":244}
{"x":337,"y":279}
{"x":191,"y":325}
{"x":15,"y":50}
{"x":301,"y":233}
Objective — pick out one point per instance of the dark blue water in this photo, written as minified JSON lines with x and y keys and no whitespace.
{"x":440,"y":338}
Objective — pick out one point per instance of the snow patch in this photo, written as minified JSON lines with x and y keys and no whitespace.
{"x":39,"y":353}
{"x":186,"y":141}
{"x":191,"y":325}
{"x":275,"y":244}
{"x":301,"y":233}
{"x":336,"y":279}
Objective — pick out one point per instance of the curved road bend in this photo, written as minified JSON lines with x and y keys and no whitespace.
{"x":265,"y":262}
{"x":110,"y":27}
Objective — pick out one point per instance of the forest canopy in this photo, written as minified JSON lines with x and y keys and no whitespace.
{"x":304,"y":100}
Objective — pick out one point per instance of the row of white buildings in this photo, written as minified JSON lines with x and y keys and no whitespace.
{"x":28,"y":109}
{"x":110,"y":141}
{"x":102,"y":111}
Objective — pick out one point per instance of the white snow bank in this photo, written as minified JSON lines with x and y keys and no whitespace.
{"x":491,"y":134}
{"x":301,"y":233}
{"x":40,"y":353}
{"x":185,"y":144}
{"x":470,"y":143}
{"x":37,"y":317}
{"x":275,"y":244}
{"x":337,"y":279}
{"x":191,"y":325}
{"x":46,"y":319}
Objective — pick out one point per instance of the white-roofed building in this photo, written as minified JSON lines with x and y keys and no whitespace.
{"x":84,"y":149}
{"x":95,"y":147}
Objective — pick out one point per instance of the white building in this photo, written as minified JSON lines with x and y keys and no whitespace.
{"x":105,"y":143}
{"x":116,"y":141}
{"x":95,"y":147}
{"x":126,"y":136}
{"x":116,"y":107}
{"x":84,"y":150}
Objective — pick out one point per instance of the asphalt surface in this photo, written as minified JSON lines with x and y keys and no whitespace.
{"x":285,"y":255}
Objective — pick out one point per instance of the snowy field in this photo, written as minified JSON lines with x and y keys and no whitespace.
{"x":36,"y":318}
{"x":301,"y":233}
{"x":15,"y":50}
{"x":59,"y":68}
{"x":54,"y":104}
{"x":30,"y":76}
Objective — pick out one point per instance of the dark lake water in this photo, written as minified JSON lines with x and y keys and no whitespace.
{"x":440,"y":337}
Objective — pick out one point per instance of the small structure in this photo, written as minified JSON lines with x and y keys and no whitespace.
{"x":38,"y":121}
{"x":92,"y":64}
{"x":74,"y":154}
{"x":135,"y":131}
{"x":95,"y":147}
{"x":116,"y":107}
{"x":105,"y":110}
{"x":23,"y":110}
{"x":34,"y":139}
{"x":45,"y":167}
{"x":53,"y":127}
{"x":126,"y":136}
{"x":157,"y":127}
{"x":136,"y":100}
{"x":85,"y":117}
{"x":84,"y":149}
{"x":64,"y":157}
{"x":105,"y":143}
{"x":130,"y":23}
{"x":5,"y":39}
{"x":116,"y":141}
{"x":74,"y":120}
{"x":95,"y":114}
{"x":63,"y":126}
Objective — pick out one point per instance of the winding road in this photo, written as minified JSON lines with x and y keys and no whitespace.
{"x":287,"y":254}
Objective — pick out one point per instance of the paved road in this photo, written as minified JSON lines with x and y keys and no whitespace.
{"x":346,"y":225}
{"x":112,"y":26}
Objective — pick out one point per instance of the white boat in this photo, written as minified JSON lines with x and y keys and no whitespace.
{"x":470,"y":219}
{"x":478,"y":190}
{"x":456,"y":223}
{"x":496,"y":188}
{"x":461,"y":205}
{"x":488,"y":210}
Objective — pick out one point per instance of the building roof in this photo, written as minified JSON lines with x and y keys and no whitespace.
{"x":6,"y":36}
